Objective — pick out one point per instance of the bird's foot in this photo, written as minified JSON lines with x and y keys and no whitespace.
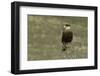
{"x":64,"y":49}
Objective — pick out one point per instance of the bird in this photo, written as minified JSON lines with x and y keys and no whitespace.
{"x":67,"y":36}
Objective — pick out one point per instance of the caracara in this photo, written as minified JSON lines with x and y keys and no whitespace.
{"x":67,"y":36}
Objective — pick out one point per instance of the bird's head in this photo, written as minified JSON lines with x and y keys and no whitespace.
{"x":67,"y":27}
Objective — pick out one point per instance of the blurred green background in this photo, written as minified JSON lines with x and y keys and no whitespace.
{"x":45,"y":33}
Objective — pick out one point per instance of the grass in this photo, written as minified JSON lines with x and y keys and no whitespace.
{"x":44,"y":37}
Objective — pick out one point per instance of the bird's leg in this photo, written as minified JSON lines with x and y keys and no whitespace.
{"x":64,"y":47}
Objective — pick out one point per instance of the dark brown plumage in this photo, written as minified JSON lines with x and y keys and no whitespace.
{"x":67,"y":36}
